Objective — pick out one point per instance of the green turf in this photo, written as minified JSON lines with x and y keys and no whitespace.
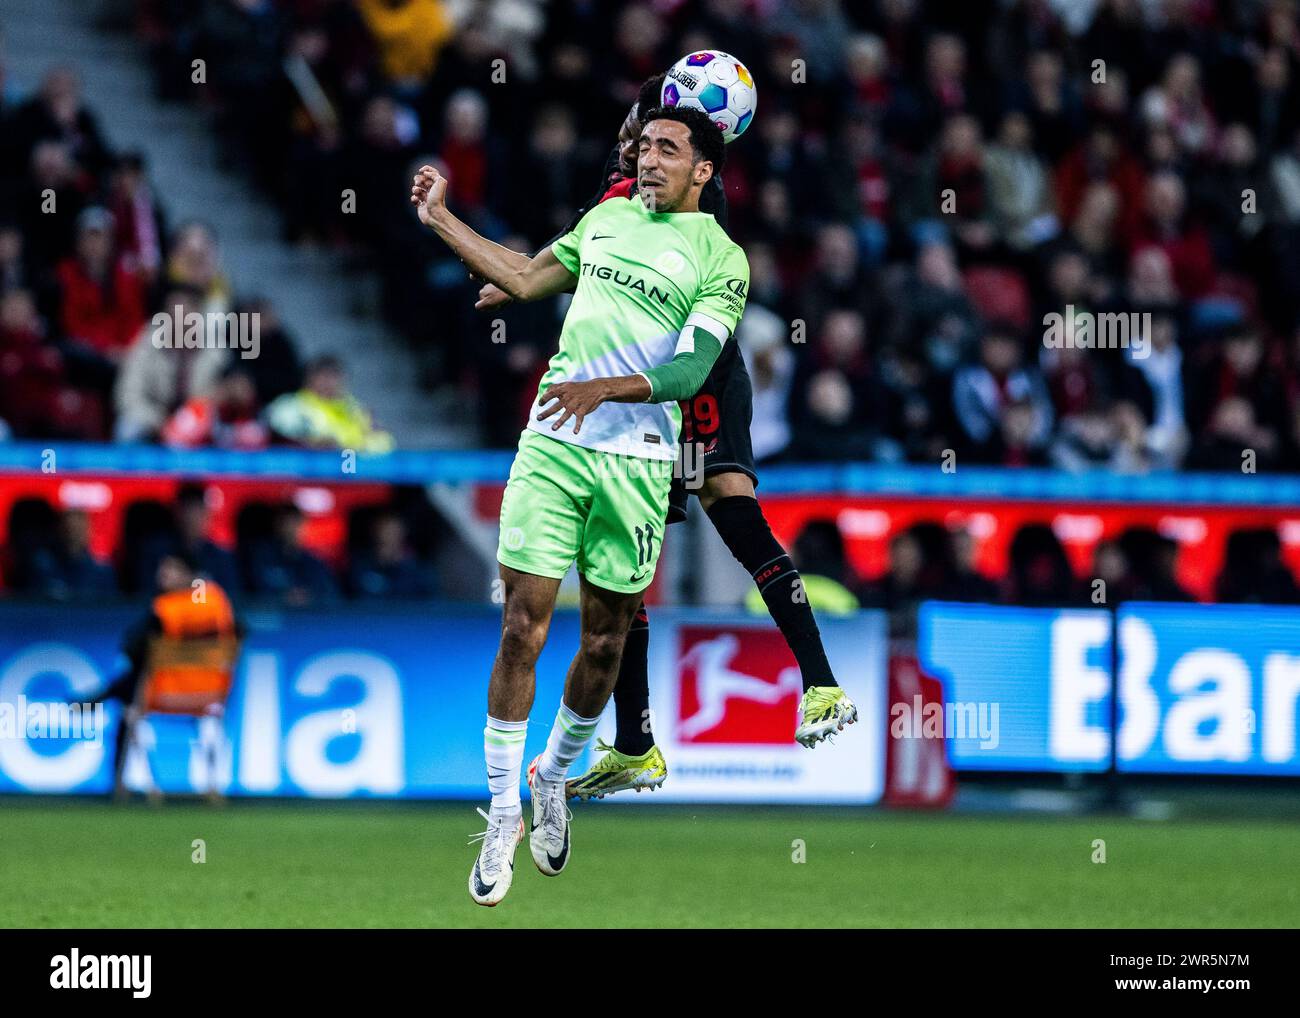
{"x":274,"y":864}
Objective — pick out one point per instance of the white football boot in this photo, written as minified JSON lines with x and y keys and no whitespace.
{"x":494,"y":869}
{"x":549,"y":837}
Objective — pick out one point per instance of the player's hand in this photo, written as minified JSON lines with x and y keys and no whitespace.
{"x":491,"y":296}
{"x":576,"y":399}
{"x":428,"y":193}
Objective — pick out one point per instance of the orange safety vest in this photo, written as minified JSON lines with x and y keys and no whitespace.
{"x":176,"y":685}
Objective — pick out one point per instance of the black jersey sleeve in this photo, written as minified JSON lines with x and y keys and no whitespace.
{"x":606,"y":178}
{"x":713,"y":198}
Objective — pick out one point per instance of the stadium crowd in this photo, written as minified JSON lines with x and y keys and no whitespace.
{"x":86,"y":262}
{"x":923,"y":183}
{"x":386,"y":553}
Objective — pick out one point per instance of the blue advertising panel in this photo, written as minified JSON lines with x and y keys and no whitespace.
{"x":1203,"y":689}
{"x":390,"y":702}
{"x":356,"y":703}
{"x":1024,"y":688}
{"x":1209,"y":689}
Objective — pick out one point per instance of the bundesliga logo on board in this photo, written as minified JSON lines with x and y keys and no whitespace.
{"x":736,"y":685}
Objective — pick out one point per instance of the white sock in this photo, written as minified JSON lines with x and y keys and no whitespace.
{"x":569,"y":737}
{"x":503,"y":749}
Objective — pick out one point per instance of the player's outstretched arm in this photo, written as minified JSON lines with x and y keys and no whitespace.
{"x":697,"y":350}
{"x":521,"y":277}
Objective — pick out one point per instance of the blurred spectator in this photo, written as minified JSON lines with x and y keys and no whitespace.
{"x":1054,"y":109}
{"x":917,"y":416}
{"x":836,"y":407}
{"x":1019,"y":188}
{"x":139,"y":220}
{"x":1178,"y":104}
{"x":465,"y":152}
{"x":57,"y":114}
{"x":1167,"y":227}
{"x":1253,"y":571}
{"x":931,"y":310}
{"x":1274,"y":110}
{"x":240,"y":42}
{"x":275,"y":370}
{"x":1102,"y":157}
{"x":984,"y":392}
{"x":1018,"y":442}
{"x":101,"y":301}
{"x":155,"y":380}
{"x":1110,"y":434}
{"x":819,"y":30}
{"x":863,"y":189}
{"x":763,"y":339}
{"x":409,"y":34}
{"x":1156,"y":381}
{"x":1094,"y":233}
{"x":386,"y":567}
{"x":1150,"y":281}
{"x":1151,"y":559}
{"x":67,"y":569}
{"x":1236,"y":404}
{"x":1039,"y":573}
{"x":510,"y":361}
{"x":1111,"y":566}
{"x":950,"y":192}
{"x":283,"y":568}
{"x":322,"y":415}
{"x":226,"y":417}
{"x":49,"y":238}
{"x":837,"y":280}
{"x":1237,"y":171}
{"x":968,"y":583}
{"x":562,"y":177}
{"x":195,"y":264}
{"x":14,"y":272}
{"x":920,"y":567}
{"x":1074,"y":380}
{"x":191,"y":539}
{"x":37,"y":398}
{"x":1284,"y":175}
{"x":31,"y":373}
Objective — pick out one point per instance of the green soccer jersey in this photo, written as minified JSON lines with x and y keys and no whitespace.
{"x":642,"y":277}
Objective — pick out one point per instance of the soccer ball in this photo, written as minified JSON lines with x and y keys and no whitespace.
{"x":716,"y":83}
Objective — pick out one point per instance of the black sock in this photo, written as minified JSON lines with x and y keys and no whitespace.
{"x":119,"y":748}
{"x":740,"y":523}
{"x":632,"y":691}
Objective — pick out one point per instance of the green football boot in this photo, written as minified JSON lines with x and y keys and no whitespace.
{"x":824,"y":711}
{"x":618,"y":772}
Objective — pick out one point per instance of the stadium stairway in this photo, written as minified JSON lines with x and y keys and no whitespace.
{"x":320,"y":303}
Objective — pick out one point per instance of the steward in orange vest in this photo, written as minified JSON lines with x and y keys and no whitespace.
{"x":175,"y":612}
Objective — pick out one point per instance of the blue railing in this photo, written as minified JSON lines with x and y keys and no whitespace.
{"x":467,"y":466}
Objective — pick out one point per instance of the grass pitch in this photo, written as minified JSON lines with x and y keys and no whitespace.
{"x":81,"y":864}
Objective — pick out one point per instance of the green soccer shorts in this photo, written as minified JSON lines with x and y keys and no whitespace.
{"x":565,"y":503}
